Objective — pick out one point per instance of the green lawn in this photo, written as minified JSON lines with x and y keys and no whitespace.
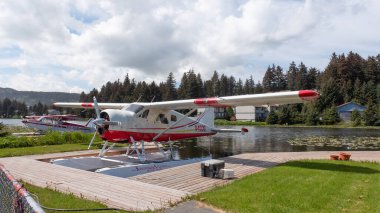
{"x":11,"y":152}
{"x":303,"y":186}
{"x":53,"y":199}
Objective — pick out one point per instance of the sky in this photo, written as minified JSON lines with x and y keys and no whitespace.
{"x":77,"y":45}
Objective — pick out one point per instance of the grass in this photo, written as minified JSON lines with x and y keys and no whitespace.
{"x":303,"y":186}
{"x":54,"y":199}
{"x":11,"y":152}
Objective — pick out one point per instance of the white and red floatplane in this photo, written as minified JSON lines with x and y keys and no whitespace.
{"x":62,"y":123}
{"x":159,"y":122}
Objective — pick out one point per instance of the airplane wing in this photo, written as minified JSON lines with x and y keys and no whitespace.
{"x":62,"y":117}
{"x":91,"y":105}
{"x":238,"y":100}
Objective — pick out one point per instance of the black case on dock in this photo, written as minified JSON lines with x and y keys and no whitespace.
{"x":210,"y":168}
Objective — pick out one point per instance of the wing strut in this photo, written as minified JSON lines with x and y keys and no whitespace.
{"x":179,"y":120}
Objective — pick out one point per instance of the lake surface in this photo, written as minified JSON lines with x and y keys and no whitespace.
{"x":259,"y":139}
{"x":269,"y":139}
{"x":12,"y":122}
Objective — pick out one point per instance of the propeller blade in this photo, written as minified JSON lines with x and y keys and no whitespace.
{"x":92,"y":140}
{"x":97,"y":110}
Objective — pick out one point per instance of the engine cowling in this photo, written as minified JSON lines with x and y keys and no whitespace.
{"x":114,"y":120}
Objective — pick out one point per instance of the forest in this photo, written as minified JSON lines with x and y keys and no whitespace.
{"x":347,"y":77}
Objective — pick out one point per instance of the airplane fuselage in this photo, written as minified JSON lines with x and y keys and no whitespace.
{"x":153,"y":124}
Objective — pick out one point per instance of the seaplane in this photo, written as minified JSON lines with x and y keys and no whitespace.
{"x":62,"y":123}
{"x":160,"y":122}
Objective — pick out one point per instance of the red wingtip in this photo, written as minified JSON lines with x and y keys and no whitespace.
{"x":308,"y":95}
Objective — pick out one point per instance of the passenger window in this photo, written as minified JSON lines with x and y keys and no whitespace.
{"x":173,"y":118}
{"x":162,"y":119}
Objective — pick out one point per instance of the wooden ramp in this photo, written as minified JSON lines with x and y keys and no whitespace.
{"x":153,"y":190}
{"x":112,"y":191}
{"x":187,"y":178}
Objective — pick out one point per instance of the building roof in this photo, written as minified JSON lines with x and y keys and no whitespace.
{"x":351,"y":106}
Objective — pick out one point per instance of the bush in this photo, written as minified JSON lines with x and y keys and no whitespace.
{"x":50,"y":138}
{"x":330,"y":116}
{"x":3,"y":133}
{"x":272,"y":118}
{"x":356,"y":118}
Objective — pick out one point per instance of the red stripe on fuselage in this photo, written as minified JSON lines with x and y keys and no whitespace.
{"x":123,"y":136}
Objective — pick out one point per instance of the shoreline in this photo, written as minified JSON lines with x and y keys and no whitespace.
{"x":263,"y":124}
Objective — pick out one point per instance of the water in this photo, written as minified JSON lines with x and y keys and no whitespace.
{"x":268,"y":139}
{"x":12,"y":122}
{"x":258,"y":139}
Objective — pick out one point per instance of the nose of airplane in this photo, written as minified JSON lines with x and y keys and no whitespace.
{"x":308,"y":95}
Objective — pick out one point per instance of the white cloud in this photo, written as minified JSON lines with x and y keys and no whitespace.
{"x":83,"y":44}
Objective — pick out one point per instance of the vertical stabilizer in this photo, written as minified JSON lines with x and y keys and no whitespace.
{"x":207,"y":117}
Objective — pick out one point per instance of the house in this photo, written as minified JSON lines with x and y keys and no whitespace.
{"x":253,"y":113}
{"x":345,"y":110}
{"x":219,"y":112}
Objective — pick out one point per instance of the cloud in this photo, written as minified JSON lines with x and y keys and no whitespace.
{"x":83,"y":44}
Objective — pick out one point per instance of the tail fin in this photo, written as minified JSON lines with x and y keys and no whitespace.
{"x":207,"y":117}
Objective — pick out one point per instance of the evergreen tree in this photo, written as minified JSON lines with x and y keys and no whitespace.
{"x":311,"y":115}
{"x":311,"y":78}
{"x":356,"y":118}
{"x":330,"y":116}
{"x":249,"y":86}
{"x":170,"y":92}
{"x":269,"y":79}
{"x":272,"y":118}
{"x":301,"y":77}
{"x":259,"y":88}
{"x":291,"y":76}
{"x":284,"y":115}
{"x":239,"y":87}
{"x":371,"y":116}
{"x":215,"y":84}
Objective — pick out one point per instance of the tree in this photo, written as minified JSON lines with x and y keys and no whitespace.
{"x":269,"y":80}
{"x":330,"y":116}
{"x":301,"y":77}
{"x":170,"y":92}
{"x":284,"y":116}
{"x":356,"y":118}
{"x":3,"y":133}
{"x":371,"y":115}
{"x":239,"y":87}
{"x":259,"y":88}
{"x":311,"y":114}
{"x":291,"y":76}
{"x":272,"y":118}
{"x":249,"y":86}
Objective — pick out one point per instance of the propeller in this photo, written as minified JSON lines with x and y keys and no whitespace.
{"x":97,"y":110}
{"x":101,"y":123}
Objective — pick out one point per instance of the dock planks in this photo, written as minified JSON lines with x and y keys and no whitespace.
{"x":153,"y":190}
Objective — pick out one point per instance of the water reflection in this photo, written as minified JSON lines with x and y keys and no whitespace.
{"x":265,"y":139}
{"x":258,"y":139}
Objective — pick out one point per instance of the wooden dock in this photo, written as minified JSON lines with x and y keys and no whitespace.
{"x":153,"y":190}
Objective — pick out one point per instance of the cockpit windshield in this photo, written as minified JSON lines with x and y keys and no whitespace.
{"x":134,"y":108}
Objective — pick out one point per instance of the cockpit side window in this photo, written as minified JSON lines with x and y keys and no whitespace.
{"x":134,"y":108}
{"x":145,"y":114}
{"x":173,"y":118}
